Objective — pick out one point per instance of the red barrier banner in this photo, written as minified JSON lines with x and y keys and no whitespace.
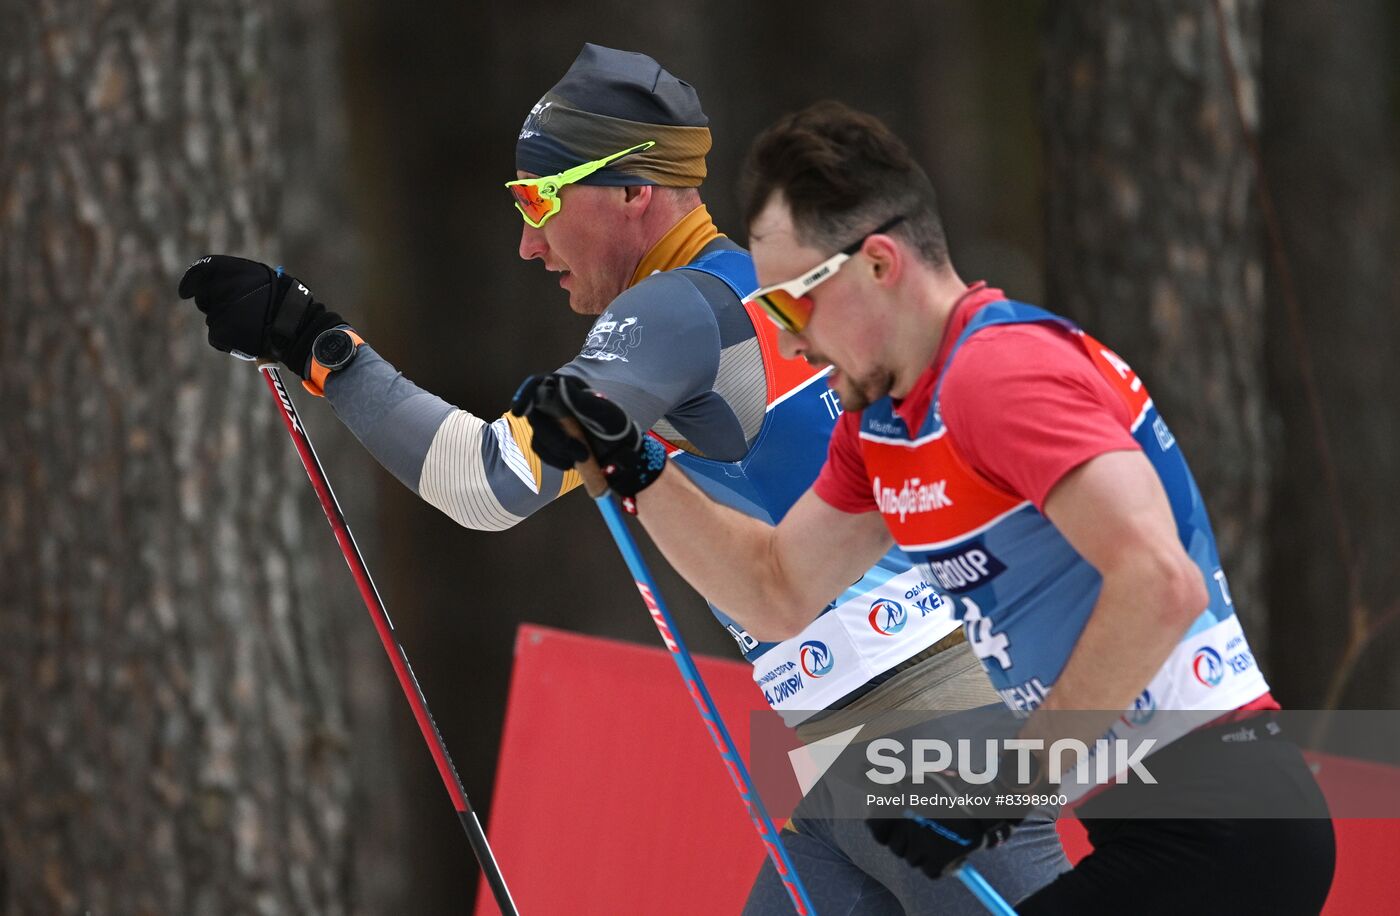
{"x":610,"y":798}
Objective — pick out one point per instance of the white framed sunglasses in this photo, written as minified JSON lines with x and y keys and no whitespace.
{"x":789,"y":304}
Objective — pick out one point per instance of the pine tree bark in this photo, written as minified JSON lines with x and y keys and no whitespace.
{"x":1152,"y":241}
{"x":172,"y":718}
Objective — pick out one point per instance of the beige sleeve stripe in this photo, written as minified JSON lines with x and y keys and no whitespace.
{"x":454,"y":476}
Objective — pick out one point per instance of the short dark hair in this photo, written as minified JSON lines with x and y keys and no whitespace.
{"x":843,"y":172}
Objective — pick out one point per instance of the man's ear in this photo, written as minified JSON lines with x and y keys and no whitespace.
{"x":887,"y":260}
{"x":638,"y":196}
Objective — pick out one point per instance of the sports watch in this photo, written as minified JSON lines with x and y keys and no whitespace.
{"x":332,"y":350}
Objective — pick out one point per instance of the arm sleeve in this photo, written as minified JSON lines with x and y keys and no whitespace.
{"x":1025,"y":407}
{"x":484,"y":475}
{"x":656,"y":347}
{"x":843,"y":483}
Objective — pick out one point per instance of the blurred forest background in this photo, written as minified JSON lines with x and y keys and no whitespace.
{"x":195,"y":716}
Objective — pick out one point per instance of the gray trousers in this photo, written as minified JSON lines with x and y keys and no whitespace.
{"x":847,"y":873}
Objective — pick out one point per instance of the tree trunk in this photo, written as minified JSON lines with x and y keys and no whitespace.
{"x":173,"y":717}
{"x":1152,"y":242}
{"x":1332,"y":156}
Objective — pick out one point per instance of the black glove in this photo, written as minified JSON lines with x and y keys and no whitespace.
{"x":629,"y":458}
{"x":255,"y":312}
{"x":934,"y":844}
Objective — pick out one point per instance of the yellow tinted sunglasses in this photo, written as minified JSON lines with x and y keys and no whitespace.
{"x":538,"y":199}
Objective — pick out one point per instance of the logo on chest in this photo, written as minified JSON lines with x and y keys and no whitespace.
{"x":913,"y":497}
{"x":611,"y":339}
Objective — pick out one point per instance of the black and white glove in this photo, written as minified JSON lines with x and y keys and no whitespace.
{"x":255,"y":312}
{"x":629,"y":459}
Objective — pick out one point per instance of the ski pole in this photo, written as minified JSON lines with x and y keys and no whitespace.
{"x":695,"y":686}
{"x":397,"y":657}
{"x":972,"y":879}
